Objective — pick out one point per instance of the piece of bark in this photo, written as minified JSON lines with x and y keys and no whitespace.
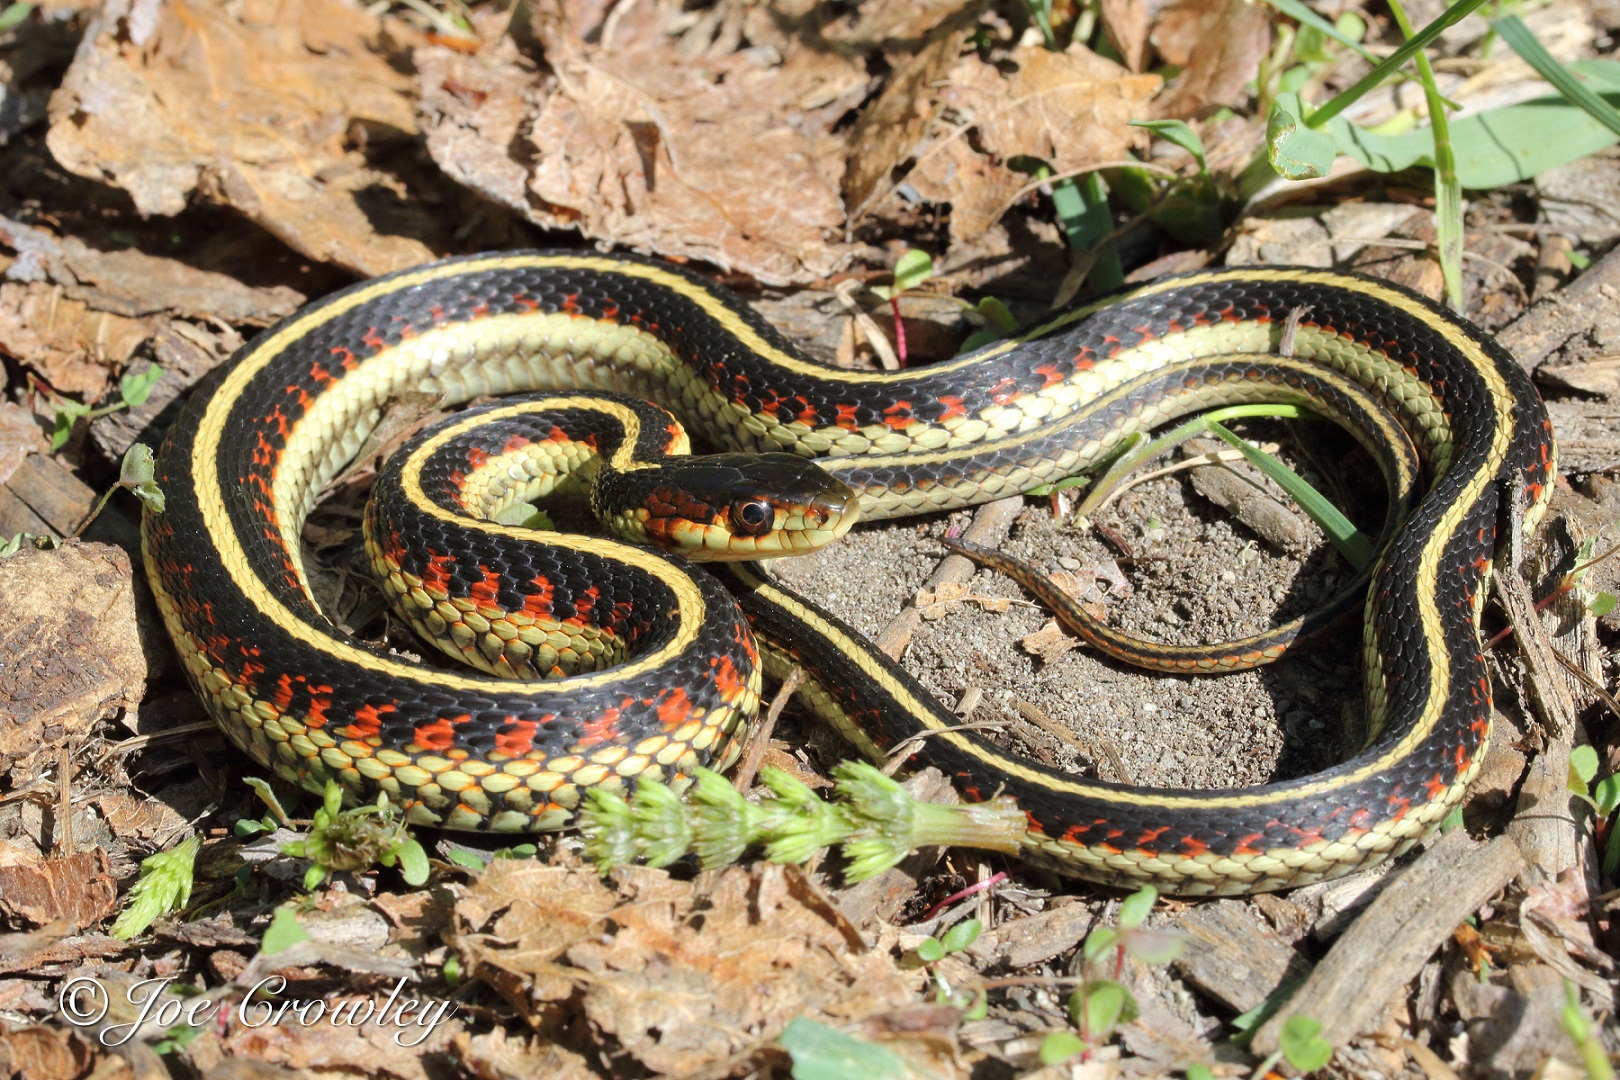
{"x":1554,"y":320}
{"x":1386,"y":947}
{"x":70,"y":650}
{"x":1229,"y":486}
{"x":1234,"y":956}
{"x":44,"y":493}
{"x":1034,"y":939}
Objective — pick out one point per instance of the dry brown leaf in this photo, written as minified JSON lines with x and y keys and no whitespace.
{"x":1126,"y":23}
{"x":417,"y":1029}
{"x":252,"y":102}
{"x":887,"y":131}
{"x":1048,"y":643}
{"x":679,"y":976}
{"x":639,"y":146}
{"x":1069,"y":109}
{"x":948,"y":597}
{"x":19,"y":436}
{"x":141,"y":822}
{"x":504,"y":1055}
{"x":34,"y":891}
{"x":43,"y":1053}
{"x":74,"y":349}
{"x":893,"y":25}
{"x":1220,"y":43}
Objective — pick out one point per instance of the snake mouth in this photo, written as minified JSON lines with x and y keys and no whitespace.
{"x":751,"y":506}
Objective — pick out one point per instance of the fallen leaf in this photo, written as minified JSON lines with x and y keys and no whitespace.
{"x":44,"y":1053}
{"x":1070,"y":109}
{"x":1048,"y":643}
{"x":73,"y":348}
{"x":948,"y":597}
{"x":140,"y":822}
{"x":20,"y":436}
{"x":638,"y":145}
{"x":1220,"y":44}
{"x":887,"y":131}
{"x":676,"y":975}
{"x":1126,"y":23}
{"x":283,"y":82}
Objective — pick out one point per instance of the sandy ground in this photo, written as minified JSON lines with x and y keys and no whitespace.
{"x":1198,"y":575}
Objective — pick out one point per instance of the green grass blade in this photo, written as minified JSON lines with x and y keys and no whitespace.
{"x":1530,"y":50}
{"x":1379,"y":73}
{"x":1306,"y":17}
{"x":1448,"y":208}
{"x":1352,"y":543}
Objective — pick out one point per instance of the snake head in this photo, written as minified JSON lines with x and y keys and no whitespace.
{"x":737,"y":506}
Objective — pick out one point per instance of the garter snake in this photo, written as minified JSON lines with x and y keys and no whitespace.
{"x":256,"y":444}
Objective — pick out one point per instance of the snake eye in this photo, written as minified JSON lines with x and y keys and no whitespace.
{"x":751,"y":517}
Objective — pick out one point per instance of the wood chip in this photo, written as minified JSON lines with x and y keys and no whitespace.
{"x":1234,"y":956}
{"x":1384,"y":949}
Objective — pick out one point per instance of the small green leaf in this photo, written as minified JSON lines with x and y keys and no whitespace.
{"x":1295,"y":151}
{"x":1135,"y":907}
{"x":413,"y":862}
{"x":825,"y":1053}
{"x":452,"y":971}
{"x":1154,"y":946}
{"x":931,"y":951}
{"x":997,"y":313}
{"x":1580,"y":260}
{"x":136,"y":388}
{"x":1060,"y":1046}
{"x":912,"y":269}
{"x":68,"y":412}
{"x":1583,"y":766}
{"x":1098,"y":942}
{"x":1302,"y":1043}
{"x":1099,"y":1006}
{"x":137,"y":472}
{"x":467,"y":860}
{"x":1200,"y":1071}
{"x":1177,"y":132}
{"x":961,"y":935}
{"x":1601,"y":604}
{"x":1606,"y":794}
{"x":282,"y":933}
{"x":13,"y":16}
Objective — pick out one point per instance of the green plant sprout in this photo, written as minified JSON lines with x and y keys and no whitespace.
{"x":133,"y":390}
{"x":1573,"y":1019}
{"x":876,"y":822}
{"x":1604,"y":799}
{"x":136,"y":474}
{"x":1101,"y":1003}
{"x":352,"y":840}
{"x":164,"y":886}
{"x":974,"y":1006}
